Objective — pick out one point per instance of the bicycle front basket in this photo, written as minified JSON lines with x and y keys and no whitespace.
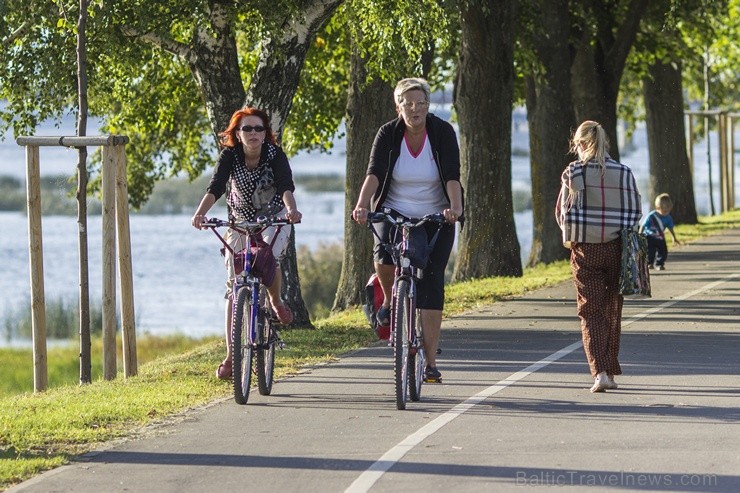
{"x":264,"y":264}
{"x":419,"y":248}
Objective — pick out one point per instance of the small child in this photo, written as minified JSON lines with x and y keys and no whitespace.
{"x":654,"y":225}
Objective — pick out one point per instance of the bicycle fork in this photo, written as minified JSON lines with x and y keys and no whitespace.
{"x":254,"y":317}
{"x":410,"y":319}
{"x":415,"y":337}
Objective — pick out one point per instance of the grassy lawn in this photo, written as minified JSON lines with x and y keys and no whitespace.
{"x":42,"y":431}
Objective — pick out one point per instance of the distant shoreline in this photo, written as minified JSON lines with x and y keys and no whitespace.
{"x":170,"y":196}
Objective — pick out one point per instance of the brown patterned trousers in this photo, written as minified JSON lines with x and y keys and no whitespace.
{"x":595,"y":268}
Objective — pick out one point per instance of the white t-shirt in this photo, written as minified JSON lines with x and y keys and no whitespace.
{"x":416,"y":188}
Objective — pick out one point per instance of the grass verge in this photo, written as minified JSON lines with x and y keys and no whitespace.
{"x":42,"y":431}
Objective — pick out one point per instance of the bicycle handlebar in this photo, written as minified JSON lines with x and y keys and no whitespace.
{"x":376,"y":217}
{"x":260,"y":222}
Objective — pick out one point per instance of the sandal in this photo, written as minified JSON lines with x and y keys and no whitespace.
{"x":384,"y":316}
{"x":224,"y":370}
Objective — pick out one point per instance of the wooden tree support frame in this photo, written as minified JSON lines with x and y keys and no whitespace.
{"x":116,"y":233}
{"x":725,"y":131}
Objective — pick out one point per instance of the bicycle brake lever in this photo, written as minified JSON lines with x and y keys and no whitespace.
{"x":281,"y":219}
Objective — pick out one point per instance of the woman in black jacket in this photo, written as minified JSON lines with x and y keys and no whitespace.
{"x":414,"y":170}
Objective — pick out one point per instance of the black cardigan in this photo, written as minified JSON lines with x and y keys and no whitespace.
{"x":387,"y":148}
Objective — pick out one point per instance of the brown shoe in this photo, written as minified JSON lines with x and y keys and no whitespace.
{"x":284,"y":315}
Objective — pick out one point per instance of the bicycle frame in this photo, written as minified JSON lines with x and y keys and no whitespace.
{"x":245,"y":278}
{"x":404,"y":270}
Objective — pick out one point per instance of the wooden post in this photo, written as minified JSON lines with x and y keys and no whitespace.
{"x":722,"y":137}
{"x":731,"y":156}
{"x":109,"y":265}
{"x":125,"y":270}
{"x":36,"y":256}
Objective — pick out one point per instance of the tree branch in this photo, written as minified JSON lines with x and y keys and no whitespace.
{"x":167,"y":44}
{"x":626,"y":33}
{"x":18,"y":33}
{"x":219,"y":23}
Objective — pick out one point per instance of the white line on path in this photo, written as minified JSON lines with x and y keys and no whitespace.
{"x":368,"y":478}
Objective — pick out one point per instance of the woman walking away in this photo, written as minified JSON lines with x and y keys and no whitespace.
{"x":598,"y":198}
{"x":260,"y":183}
{"x":414,"y":170}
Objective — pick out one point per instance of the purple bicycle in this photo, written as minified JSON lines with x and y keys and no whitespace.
{"x":253,"y":333}
{"x":406,"y":330}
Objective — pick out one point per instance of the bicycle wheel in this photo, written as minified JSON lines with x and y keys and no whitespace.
{"x":241,"y":349}
{"x":265,"y":354}
{"x":400,"y":316}
{"x":417,"y":360}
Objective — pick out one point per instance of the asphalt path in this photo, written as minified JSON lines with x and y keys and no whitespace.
{"x":513,"y":412}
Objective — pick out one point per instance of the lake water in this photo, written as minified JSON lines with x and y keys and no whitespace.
{"x":178,"y":272}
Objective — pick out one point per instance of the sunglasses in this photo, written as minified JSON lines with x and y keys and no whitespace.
{"x":250,"y":128}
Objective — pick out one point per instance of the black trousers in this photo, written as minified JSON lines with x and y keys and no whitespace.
{"x":657,"y":251}
{"x":430,"y":290}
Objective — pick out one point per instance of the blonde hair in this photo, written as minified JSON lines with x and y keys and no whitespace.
{"x":410,"y":84}
{"x":663,"y":201}
{"x":590,"y":143}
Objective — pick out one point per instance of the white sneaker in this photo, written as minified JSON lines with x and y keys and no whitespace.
{"x":601,"y":382}
{"x":611,"y":384}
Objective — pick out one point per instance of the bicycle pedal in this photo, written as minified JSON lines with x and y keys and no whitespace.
{"x":282,"y":345}
{"x":432,"y":380}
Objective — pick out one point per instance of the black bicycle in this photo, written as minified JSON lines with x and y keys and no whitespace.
{"x":253,"y":332}
{"x":407,"y":337}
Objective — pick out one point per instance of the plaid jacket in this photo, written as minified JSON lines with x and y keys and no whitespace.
{"x":593,"y":207}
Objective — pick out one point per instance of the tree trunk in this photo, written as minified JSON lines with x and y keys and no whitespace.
{"x":272,"y":89}
{"x":488,"y":243}
{"x":599,"y":61}
{"x":551,"y":117}
{"x":369,"y":105}
{"x":278,"y":72}
{"x":81,"y":194}
{"x":291,"y":285}
{"x":669,"y":164}
{"x":215,"y":66}
{"x":214,"y":63}
{"x":595,"y":93}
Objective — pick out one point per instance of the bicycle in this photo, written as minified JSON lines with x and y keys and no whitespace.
{"x":407,"y":338}
{"x":253,"y":332}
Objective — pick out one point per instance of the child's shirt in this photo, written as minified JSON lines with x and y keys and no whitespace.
{"x":654,"y":224}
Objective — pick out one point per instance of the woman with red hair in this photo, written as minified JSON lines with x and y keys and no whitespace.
{"x":255,"y":172}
